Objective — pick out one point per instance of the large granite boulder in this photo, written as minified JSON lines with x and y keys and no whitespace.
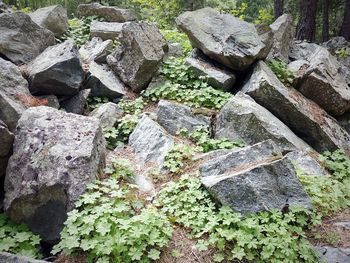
{"x":304,"y":117}
{"x":174,"y":117}
{"x":306,"y":164}
{"x":96,"y":50}
{"x":108,"y":13}
{"x":55,"y":156}
{"x":58,"y":70}
{"x":242,"y":118}
{"x":333,"y":255}
{"x":21,"y":40}
{"x":14,"y":93}
{"x":53,"y":18}
{"x":283,"y":35}
{"x":103,"y":82}
{"x":150,"y":141}
{"x":106,"y":30}
{"x":215,"y":74}
{"x":77,"y":103}
{"x":223,"y":37}
{"x":108,"y":114}
{"x":254,"y":179}
{"x":11,"y":258}
{"x":139,"y":55}
{"x":6,"y":141}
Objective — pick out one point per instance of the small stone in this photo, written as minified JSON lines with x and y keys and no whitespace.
{"x":77,"y":103}
{"x":108,"y":114}
{"x":96,"y":50}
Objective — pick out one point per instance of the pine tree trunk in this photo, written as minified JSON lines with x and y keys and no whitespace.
{"x":325,"y":29}
{"x":345,"y":28}
{"x":307,"y":23}
{"x":278,"y":8}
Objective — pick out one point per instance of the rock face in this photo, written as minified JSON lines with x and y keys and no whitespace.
{"x":304,"y":117}
{"x":344,"y":121}
{"x":333,"y":255}
{"x":106,"y":30}
{"x":254,"y":179}
{"x":77,"y":103}
{"x":242,"y":118}
{"x":4,"y":8}
{"x":103,"y":82}
{"x":6,"y":140}
{"x":283,"y":35}
{"x":306,"y":164}
{"x":55,"y":155}
{"x":150,"y":141}
{"x":14,"y":94}
{"x":173,"y":117}
{"x":11,"y":258}
{"x":21,"y":40}
{"x":216,"y":75}
{"x":96,"y":50}
{"x":302,"y":50}
{"x":139,"y":55}
{"x":57,"y":70}
{"x":222,"y":37}
{"x":53,"y":18}
{"x":109,"y":13}
{"x":108,"y":114}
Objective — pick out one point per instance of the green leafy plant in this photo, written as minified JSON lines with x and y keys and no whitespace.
{"x":177,"y":158}
{"x":338,"y":164}
{"x":110,"y":224}
{"x":174,"y":36}
{"x":120,"y":169}
{"x":95,"y":102}
{"x":265,"y":16}
{"x":132,"y":106}
{"x":342,"y":52}
{"x":281,"y":71}
{"x":18,"y":239}
{"x":111,"y":135}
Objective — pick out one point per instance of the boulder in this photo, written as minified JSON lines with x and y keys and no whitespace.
{"x":283,"y":35}
{"x":175,"y":50}
{"x":302,"y":50}
{"x":6,"y":140}
{"x":150,"y":141}
{"x":4,"y":8}
{"x":344,"y":121}
{"x":215,"y":74}
{"x":139,"y":55}
{"x":174,"y":117}
{"x":21,"y":40}
{"x":223,"y":37}
{"x":14,"y":94}
{"x":257,"y":186}
{"x":244,"y":119}
{"x":106,"y":30}
{"x":57,"y":71}
{"x":103,"y":82}
{"x":96,"y":50}
{"x":52,"y":101}
{"x":108,"y":114}
{"x":55,"y":155}
{"x":11,"y":258}
{"x":305,"y":164}
{"x":333,"y":255}
{"x":53,"y":18}
{"x":304,"y":117}
{"x":77,"y":103}
{"x":108,"y":13}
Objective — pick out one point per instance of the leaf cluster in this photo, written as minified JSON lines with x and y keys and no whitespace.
{"x":177,"y":157}
{"x":281,"y":71}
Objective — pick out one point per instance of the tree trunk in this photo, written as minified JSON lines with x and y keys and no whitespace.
{"x":307,"y":23}
{"x":278,"y":8}
{"x":325,"y":29}
{"x":345,"y":28}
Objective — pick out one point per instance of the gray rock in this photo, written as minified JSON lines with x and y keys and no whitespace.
{"x":14,"y":93}
{"x":53,"y":18}
{"x":306,"y":164}
{"x":302,"y":50}
{"x":11,"y":258}
{"x":109,"y":13}
{"x":21,"y":40}
{"x":242,"y":118}
{"x":342,"y":225}
{"x":150,"y":141}
{"x":77,"y":103}
{"x":173,"y":117}
{"x":266,"y":35}
{"x":222,"y":37}
{"x":271,"y":185}
{"x":4,"y":8}
{"x":139,"y":56}
{"x":333,"y":255}
{"x":55,"y":156}
{"x":283,"y":35}
{"x":240,"y":159}
{"x":106,"y":30}
{"x":216,"y":75}
{"x":96,"y":50}
{"x":344,"y":121}
{"x":108,"y":114}
{"x":304,"y":117}
{"x":57,"y":70}
{"x":52,"y":101}
{"x":103,"y":82}
{"x":6,"y":140}
{"x":175,"y":50}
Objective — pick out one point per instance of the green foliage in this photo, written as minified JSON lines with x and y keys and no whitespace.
{"x":132,"y":106}
{"x":111,"y":135}
{"x":263,"y":237}
{"x":95,"y":102}
{"x":110,"y":224}
{"x":174,"y":36}
{"x":265,"y":16}
{"x":240,"y":11}
{"x":177,"y":158}
{"x":281,"y":71}
{"x":18,"y":239}
{"x":342,"y":52}
{"x":338,"y":164}
{"x":120,"y":169}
